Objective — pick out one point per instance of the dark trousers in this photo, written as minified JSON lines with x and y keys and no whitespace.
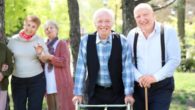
{"x":7,"y":105}
{"x":106,"y":96}
{"x":29,"y":90}
{"x":159,"y":95}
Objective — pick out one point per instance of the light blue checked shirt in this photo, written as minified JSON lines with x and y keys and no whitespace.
{"x":104,"y":50}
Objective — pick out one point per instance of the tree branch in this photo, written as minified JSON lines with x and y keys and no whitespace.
{"x":168,"y":3}
{"x":140,"y":1}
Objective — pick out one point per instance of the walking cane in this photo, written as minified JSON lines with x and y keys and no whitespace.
{"x":146,"y":97}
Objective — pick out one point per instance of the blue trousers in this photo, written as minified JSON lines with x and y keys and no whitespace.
{"x":159,"y":95}
{"x":29,"y":90}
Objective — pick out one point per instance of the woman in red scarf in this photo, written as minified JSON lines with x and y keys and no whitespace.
{"x":57,"y":71}
{"x":28,"y":81}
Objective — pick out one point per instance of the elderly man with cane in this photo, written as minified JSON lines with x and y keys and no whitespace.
{"x":156,"y":55}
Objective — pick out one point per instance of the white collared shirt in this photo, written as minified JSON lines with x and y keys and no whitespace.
{"x":149,"y":52}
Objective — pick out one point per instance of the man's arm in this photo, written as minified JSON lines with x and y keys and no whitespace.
{"x":130,"y":40}
{"x":80,"y":73}
{"x":173,"y":53}
{"x":127,"y":73}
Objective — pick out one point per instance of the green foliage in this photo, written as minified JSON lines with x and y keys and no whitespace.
{"x":51,"y":10}
{"x":87,"y":9}
{"x":187,"y":65}
{"x":86,"y":14}
{"x":15,"y":11}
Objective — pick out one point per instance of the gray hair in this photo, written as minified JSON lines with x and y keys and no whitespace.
{"x":51,"y":23}
{"x":101,"y":10}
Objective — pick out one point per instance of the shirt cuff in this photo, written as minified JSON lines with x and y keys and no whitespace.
{"x":129,"y":91}
{"x":158,"y":77}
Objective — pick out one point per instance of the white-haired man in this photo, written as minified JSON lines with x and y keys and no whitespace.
{"x":156,"y":55}
{"x":105,"y":55}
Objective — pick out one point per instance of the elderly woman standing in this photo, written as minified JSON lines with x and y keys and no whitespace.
{"x":58,"y":76}
{"x":28,"y":81}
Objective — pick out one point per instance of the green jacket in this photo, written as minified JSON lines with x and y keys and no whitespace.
{"x":6,"y":57}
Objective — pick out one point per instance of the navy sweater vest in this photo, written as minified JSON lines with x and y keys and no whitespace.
{"x":114,"y":65}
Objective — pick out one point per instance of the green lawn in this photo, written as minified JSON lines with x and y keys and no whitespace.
{"x":184,"y":91}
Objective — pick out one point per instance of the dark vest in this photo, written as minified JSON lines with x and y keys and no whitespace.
{"x":114,"y":65}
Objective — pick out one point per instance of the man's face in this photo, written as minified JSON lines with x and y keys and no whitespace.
{"x":103,"y":23}
{"x":144,"y":18}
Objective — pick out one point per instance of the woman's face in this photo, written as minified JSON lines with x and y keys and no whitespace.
{"x":51,"y":32}
{"x":30,"y":28}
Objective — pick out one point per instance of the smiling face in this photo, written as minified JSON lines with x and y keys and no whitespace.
{"x":144,"y":17}
{"x":31,"y":24}
{"x":51,"y":32}
{"x":30,"y":28}
{"x":103,"y":21}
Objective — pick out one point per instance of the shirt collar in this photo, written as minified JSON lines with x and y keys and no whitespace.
{"x":108,"y":40}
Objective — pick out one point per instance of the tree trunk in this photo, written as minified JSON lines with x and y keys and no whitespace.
{"x":181,"y":29}
{"x":73,"y":10}
{"x":2,"y":23}
{"x":127,"y":16}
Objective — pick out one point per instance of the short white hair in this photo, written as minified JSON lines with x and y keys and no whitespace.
{"x":103,"y":10}
{"x":143,"y":6}
{"x":51,"y":23}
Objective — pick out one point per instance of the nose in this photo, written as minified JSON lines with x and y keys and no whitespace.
{"x":103,"y":24}
{"x":141,"y":18}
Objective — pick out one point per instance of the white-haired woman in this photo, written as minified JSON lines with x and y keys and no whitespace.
{"x":58,"y":76}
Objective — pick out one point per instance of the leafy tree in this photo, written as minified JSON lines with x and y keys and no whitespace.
{"x":14,"y":14}
{"x":181,"y":30}
{"x":56,"y":10}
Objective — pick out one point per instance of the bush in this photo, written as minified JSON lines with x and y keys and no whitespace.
{"x":187,"y":65}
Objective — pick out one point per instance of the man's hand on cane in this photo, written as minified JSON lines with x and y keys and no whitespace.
{"x":146,"y":81}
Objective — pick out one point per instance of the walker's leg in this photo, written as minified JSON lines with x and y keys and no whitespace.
{"x":76,"y":106}
{"x":128,"y":106}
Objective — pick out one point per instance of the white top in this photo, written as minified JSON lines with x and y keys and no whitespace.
{"x":50,"y":76}
{"x":149,"y":52}
{"x":27,"y":63}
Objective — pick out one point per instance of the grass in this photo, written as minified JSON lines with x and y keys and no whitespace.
{"x":184,"y":91}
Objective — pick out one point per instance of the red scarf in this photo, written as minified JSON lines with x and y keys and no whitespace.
{"x":25,"y":36}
